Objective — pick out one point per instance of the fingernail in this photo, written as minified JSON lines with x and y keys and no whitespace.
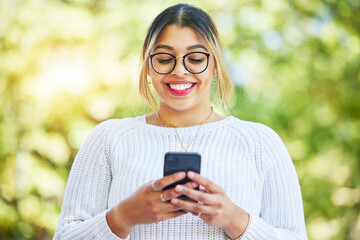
{"x":174,"y":201}
{"x":194,"y":184}
{"x":191,"y":174}
{"x":181,"y":174}
{"x":178,"y":188}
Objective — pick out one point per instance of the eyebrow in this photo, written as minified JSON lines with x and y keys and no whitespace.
{"x":163,"y":46}
{"x":196,"y":46}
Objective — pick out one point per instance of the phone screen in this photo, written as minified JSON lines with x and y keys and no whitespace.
{"x":181,"y":161}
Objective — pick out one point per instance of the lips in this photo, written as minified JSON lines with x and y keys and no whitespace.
{"x":180,"y":88}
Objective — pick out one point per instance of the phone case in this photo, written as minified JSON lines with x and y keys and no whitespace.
{"x":181,"y":161}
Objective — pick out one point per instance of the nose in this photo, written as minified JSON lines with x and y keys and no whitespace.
{"x":179,"y":69}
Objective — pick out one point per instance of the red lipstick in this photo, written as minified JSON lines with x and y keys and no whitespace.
{"x":177,"y":91}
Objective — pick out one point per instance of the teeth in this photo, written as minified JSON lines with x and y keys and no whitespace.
{"x":180,"y":87}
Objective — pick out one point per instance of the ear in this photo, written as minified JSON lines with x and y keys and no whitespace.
{"x":215,"y":71}
{"x":148,"y":69}
{"x":215,"y":68}
{"x":148,"y":79}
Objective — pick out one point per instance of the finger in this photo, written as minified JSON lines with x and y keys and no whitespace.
{"x":193,"y":207}
{"x":171,"y":193}
{"x":206,"y":183}
{"x":200,"y":196}
{"x":201,"y":188}
{"x":167,"y":195}
{"x":163,"y":205}
{"x":163,"y":182}
{"x":168,"y":207}
{"x":191,"y":184}
{"x":154,"y":187}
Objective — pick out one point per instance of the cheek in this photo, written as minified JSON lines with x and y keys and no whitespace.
{"x":153,"y":75}
{"x":157,"y":82}
{"x":212,"y":68}
{"x":206,"y":79}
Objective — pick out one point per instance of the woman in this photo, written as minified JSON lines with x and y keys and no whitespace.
{"x":248,"y":184}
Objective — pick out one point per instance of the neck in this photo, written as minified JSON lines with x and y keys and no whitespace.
{"x":184,"y":118}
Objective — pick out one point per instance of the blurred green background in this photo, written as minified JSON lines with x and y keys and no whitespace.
{"x":67,"y":65}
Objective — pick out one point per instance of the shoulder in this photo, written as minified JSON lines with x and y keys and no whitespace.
{"x":270,"y":148}
{"x":255,"y":129}
{"x":119,"y":125}
{"x":262,"y":142}
{"x":112,"y":127}
{"x":263,"y":136}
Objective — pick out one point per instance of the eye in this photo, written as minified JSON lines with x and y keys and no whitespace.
{"x":196,"y":60}
{"x":164,"y":60}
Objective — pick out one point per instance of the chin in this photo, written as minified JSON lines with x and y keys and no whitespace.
{"x":184,"y":106}
{"x":181,"y":108}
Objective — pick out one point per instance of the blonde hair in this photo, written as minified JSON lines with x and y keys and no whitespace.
{"x":185,"y":15}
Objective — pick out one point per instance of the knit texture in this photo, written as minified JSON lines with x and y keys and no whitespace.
{"x":248,"y":160}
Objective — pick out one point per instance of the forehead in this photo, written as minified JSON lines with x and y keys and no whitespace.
{"x":179,"y":38}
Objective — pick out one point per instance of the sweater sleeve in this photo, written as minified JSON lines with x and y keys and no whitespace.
{"x":83,"y":213}
{"x":281,"y":216}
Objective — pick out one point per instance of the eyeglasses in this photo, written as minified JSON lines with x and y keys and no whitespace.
{"x":194,"y":62}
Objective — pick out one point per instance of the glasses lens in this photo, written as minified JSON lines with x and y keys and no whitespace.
{"x":196,"y":62}
{"x":163,"y":63}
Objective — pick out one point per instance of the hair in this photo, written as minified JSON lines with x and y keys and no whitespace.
{"x":184,"y":15}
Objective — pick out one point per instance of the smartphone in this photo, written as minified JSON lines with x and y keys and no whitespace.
{"x":181,"y":161}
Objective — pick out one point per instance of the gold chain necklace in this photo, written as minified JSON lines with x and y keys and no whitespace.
{"x":177,"y":134}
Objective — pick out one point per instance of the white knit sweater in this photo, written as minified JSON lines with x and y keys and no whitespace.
{"x":248,"y":160}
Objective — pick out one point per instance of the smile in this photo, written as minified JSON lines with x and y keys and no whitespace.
{"x":180,"y":89}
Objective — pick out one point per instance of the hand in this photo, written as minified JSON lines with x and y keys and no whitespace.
{"x":146,"y":206}
{"x":215,"y":207}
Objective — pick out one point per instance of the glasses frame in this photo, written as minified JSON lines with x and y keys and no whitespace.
{"x":183,"y":60}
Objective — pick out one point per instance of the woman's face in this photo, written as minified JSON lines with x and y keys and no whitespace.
{"x":180,"y":89}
